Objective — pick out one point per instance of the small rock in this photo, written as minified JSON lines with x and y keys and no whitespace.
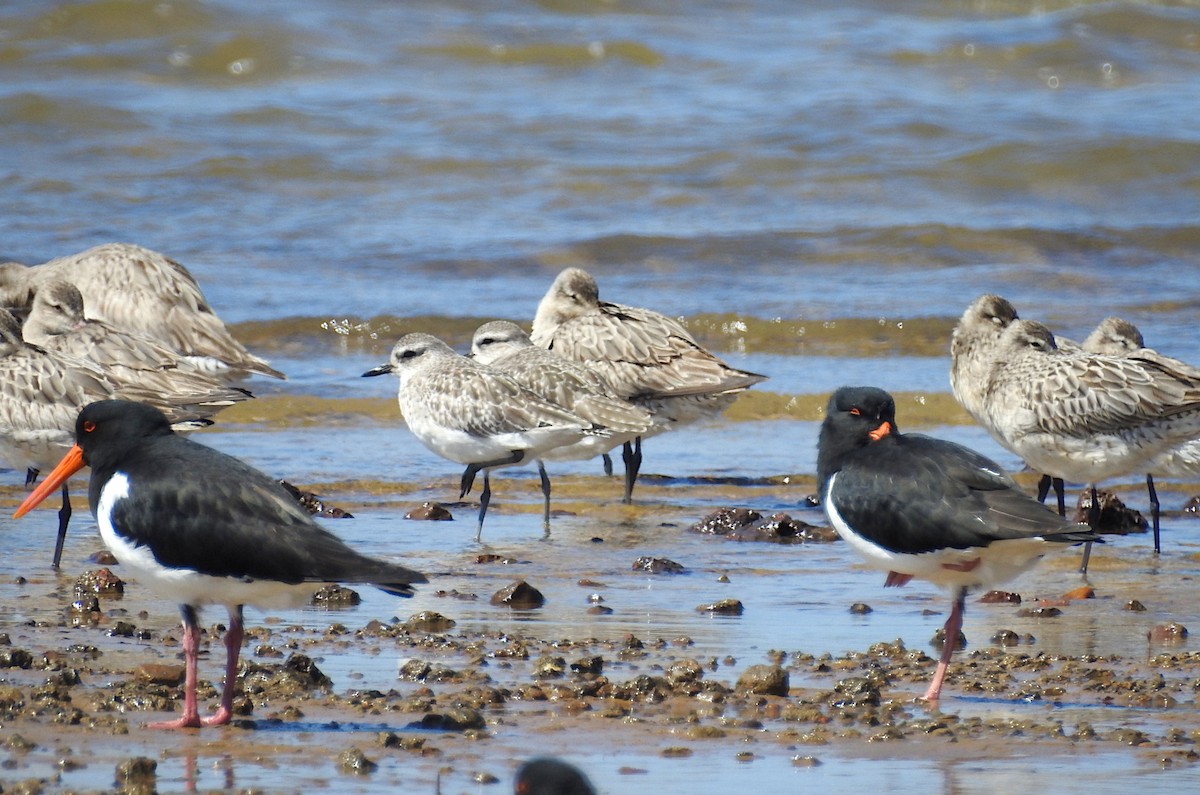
{"x":682,"y":672}
{"x":430,"y":512}
{"x":491,"y":557}
{"x":335,"y":596}
{"x":763,"y":680}
{"x":103,"y":558}
{"x":313,"y":504}
{"x":1172,"y":632}
{"x":805,"y":761}
{"x":101,"y":582}
{"x":429,"y":621}
{"x":139,"y":771}
{"x":938,"y":640}
{"x":84,"y":612}
{"x":724,"y":520}
{"x":353,"y":760}
{"x":549,"y":667}
{"x":1082,"y":592}
{"x":588,"y":665}
{"x":519,"y":596}
{"x":1135,"y":606}
{"x":658,"y":566}
{"x":456,"y":719}
{"x":1006,"y":637}
{"x":1000,"y":597}
{"x":725,"y":607}
{"x":160,"y":674}
{"x":1115,"y":518}
{"x":860,"y":608}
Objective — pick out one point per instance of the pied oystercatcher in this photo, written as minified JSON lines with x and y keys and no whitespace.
{"x":549,"y":776}
{"x":203,"y":528}
{"x":915,"y":506}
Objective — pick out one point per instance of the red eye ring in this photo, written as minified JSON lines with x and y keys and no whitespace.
{"x":855,"y":412}
{"x":88,"y":426}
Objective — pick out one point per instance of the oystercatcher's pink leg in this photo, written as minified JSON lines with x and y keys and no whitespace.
{"x":190,"y":719}
{"x":952,"y":628}
{"x":233,"y":648}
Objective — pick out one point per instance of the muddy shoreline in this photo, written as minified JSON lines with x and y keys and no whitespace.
{"x":383,"y":696}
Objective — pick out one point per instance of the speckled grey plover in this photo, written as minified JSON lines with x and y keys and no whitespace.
{"x":473,"y":414}
{"x":142,"y":291}
{"x":507,"y":347}
{"x":1087,"y":417}
{"x":646,"y":357}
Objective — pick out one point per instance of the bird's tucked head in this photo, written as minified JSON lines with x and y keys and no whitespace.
{"x":855,"y":417}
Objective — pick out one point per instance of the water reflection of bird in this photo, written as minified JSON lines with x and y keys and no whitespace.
{"x":473,"y":414}
{"x":204,"y":528}
{"x":646,"y":357}
{"x":508,"y":348}
{"x":915,"y":506}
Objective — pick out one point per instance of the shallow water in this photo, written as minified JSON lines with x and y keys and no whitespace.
{"x":818,"y":193}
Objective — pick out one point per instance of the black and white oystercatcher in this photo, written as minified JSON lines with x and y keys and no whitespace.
{"x":549,"y":776}
{"x":915,"y":506}
{"x":203,"y":528}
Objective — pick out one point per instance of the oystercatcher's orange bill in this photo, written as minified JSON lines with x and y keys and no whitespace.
{"x":881,"y":431}
{"x":71,"y":463}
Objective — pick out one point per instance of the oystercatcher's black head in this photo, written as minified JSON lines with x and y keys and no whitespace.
{"x":547,"y":776}
{"x":115,"y":426}
{"x":105,"y":432}
{"x":855,"y":417}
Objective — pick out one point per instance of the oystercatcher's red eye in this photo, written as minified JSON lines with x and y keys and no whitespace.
{"x":89,"y":426}
{"x":855,"y":412}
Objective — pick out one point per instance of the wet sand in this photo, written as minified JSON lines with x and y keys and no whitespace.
{"x":643,"y":697}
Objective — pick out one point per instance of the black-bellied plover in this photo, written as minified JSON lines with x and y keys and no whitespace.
{"x":646,"y":357}
{"x":473,"y":414}
{"x":1087,"y":417}
{"x":507,"y":347}
{"x":141,"y":291}
{"x":57,"y":323}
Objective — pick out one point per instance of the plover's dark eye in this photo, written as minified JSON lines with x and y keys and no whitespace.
{"x":409,"y":354}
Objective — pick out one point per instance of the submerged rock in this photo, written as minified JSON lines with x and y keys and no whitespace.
{"x":519,"y":596}
{"x":763,"y":680}
{"x":430,"y":512}
{"x":1115,"y":518}
{"x":658,"y":566}
{"x":744,"y":524}
{"x":100,"y":582}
